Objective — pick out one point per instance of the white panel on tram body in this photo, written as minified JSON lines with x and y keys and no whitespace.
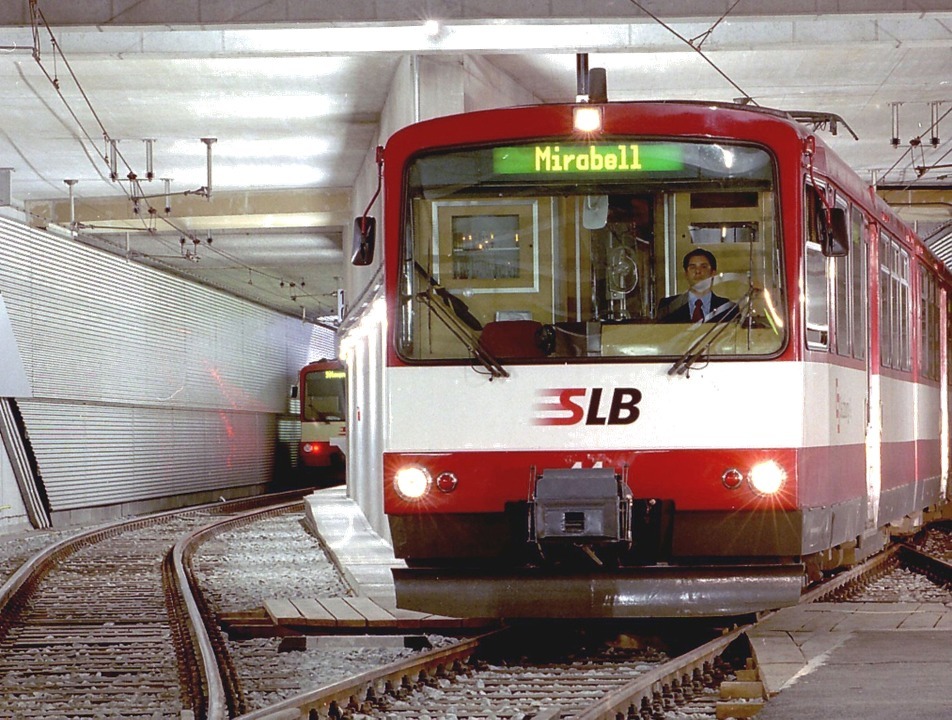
{"x":928,"y":412}
{"x":834,"y":405}
{"x":737,"y":404}
{"x":13,"y":380}
{"x":898,"y":399}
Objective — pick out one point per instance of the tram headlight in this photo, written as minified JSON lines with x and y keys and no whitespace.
{"x":412,"y":482}
{"x":767,"y":477}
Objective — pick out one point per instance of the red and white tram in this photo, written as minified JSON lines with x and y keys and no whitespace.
{"x":323,"y":393}
{"x":559,"y":443}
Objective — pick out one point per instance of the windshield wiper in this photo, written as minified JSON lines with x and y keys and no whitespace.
{"x":729,"y":314}
{"x":460,"y":308}
{"x":456,"y":317}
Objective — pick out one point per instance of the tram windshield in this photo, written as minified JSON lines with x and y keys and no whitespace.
{"x":325,"y":395}
{"x":542,"y":250}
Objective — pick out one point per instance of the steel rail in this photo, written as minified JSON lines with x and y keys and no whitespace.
{"x":30,"y":573}
{"x":873,"y":565}
{"x":213,"y":665}
{"x":353,"y":690}
{"x":35,"y":567}
{"x":622,"y":699}
{"x":929,"y":564}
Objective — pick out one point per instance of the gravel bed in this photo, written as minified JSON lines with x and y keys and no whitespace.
{"x":903,"y":586}
{"x":17,"y":548}
{"x":278,"y":558}
{"x":938,"y":542}
{"x":273,"y":558}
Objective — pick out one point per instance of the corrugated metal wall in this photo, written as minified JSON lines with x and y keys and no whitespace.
{"x":144,"y":385}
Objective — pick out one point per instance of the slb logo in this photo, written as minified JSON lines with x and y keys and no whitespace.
{"x":568,"y":406}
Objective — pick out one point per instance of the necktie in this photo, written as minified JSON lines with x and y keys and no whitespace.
{"x":698,"y":313}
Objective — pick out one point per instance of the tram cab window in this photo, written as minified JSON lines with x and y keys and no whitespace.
{"x":532,"y":254}
{"x":325,"y":395}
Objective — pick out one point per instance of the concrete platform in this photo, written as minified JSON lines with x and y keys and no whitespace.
{"x":856,"y":661}
{"x":362,"y":555}
{"x":365,"y":559}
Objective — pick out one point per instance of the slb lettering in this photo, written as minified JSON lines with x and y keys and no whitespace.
{"x":594,"y":406}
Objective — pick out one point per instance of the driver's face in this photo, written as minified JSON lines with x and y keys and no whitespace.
{"x":697,"y":272}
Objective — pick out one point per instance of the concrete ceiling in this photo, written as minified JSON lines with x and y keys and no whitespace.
{"x":292,"y":94}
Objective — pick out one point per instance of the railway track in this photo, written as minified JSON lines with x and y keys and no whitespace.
{"x":715,"y":680}
{"x":104,"y":624}
{"x":474,"y":679}
{"x":918,"y":570}
{"x":97,"y":639}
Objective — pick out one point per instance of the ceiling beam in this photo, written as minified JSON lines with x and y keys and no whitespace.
{"x":919,"y":204}
{"x":297,"y":208}
{"x":109,"y":13}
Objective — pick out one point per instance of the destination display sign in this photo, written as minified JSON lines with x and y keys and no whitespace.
{"x":590,"y":158}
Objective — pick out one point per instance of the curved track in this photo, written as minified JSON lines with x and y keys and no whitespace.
{"x":99,"y":626}
{"x":105,"y":625}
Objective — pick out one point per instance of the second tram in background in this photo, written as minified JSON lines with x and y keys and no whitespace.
{"x":323,"y":395}
{"x":678,"y":363}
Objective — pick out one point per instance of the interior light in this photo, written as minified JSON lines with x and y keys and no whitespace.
{"x":587,"y":118}
{"x":412,"y":482}
{"x":767,"y":477}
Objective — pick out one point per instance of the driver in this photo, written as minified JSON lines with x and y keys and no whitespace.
{"x":699,"y":303}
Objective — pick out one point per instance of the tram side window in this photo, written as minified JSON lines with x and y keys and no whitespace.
{"x":842,"y":303}
{"x":885,"y":302}
{"x":930,"y":332}
{"x":894,"y":305}
{"x":860,"y":290}
{"x":817,"y":298}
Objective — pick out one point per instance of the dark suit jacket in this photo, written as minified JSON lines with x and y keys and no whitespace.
{"x":674,"y":309}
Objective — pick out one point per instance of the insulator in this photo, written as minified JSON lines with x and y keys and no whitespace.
{"x":113,"y":161}
{"x":149,"y":170}
{"x":895,"y":124}
{"x":934,"y":140}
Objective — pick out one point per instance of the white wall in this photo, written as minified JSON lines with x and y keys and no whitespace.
{"x":145,"y":386}
{"x":13,"y":383}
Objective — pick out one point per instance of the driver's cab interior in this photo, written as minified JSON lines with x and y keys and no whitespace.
{"x":577,"y":276}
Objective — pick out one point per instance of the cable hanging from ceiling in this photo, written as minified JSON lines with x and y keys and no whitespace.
{"x":112,"y":157}
{"x":932,"y":132}
{"x":917,"y":143}
{"x":695,"y":45}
